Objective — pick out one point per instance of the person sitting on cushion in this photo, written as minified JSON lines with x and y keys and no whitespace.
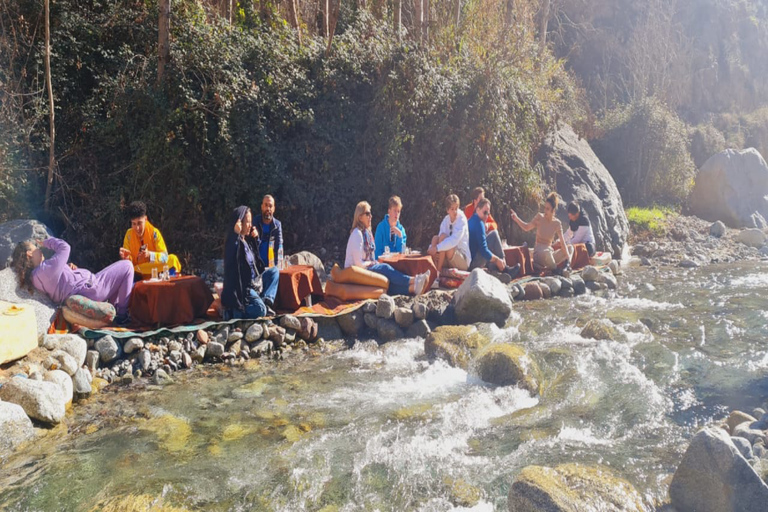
{"x":360,"y":253}
{"x":483,"y":255}
{"x":390,"y":233}
{"x":579,"y":229}
{"x":269,"y":229}
{"x":144,"y":246}
{"x":477,"y":194}
{"x":249,"y":288}
{"x":547,"y":228}
{"x":59,"y":281}
{"x":450,"y":248}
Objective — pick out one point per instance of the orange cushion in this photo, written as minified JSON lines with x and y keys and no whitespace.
{"x":521,"y":255}
{"x":580,"y":256}
{"x":348,"y":292}
{"x":357,"y":275}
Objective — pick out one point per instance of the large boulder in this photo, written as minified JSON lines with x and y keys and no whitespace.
{"x":752,"y":237}
{"x":309,"y":259}
{"x":44,"y":308}
{"x":506,"y":364}
{"x":15,"y":231}
{"x":732,"y":186}
{"x":42,"y":401}
{"x":572,"y":488}
{"x":482,"y":298}
{"x":574,"y":170}
{"x":715,"y":476}
{"x":456,"y":344}
{"x":15,"y":427}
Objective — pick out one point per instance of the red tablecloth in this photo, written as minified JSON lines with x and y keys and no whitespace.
{"x":412,"y":264}
{"x":297,"y":282}
{"x":521,"y":255}
{"x":174,"y":302}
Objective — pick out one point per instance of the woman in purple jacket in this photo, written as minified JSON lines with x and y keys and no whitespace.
{"x":59,"y":280}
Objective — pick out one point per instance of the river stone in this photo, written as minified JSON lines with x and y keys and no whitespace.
{"x":371,"y":320}
{"x":328,"y":329}
{"x":553,"y":283}
{"x":385,"y":306}
{"x":221,"y":335}
{"x":92,"y":360}
{"x":352,"y":323}
{"x":579,"y":286}
{"x":161,"y":378}
{"x":388,"y":330}
{"x":714,"y":477}
{"x":600,"y":329}
{"x":590,"y":273}
{"x":744,"y":446}
{"x":404,"y":317}
{"x":688,"y":263}
{"x":419,"y":310}
{"x":717,"y":229}
{"x":235,"y":336}
{"x":732,"y":187}
{"x":290,"y":322}
{"x":277,"y":335}
{"x":308,"y":331}
{"x":455,"y":344}
{"x":572,"y":488}
{"x":15,"y":427}
{"x":214,"y":349}
{"x":615,"y":267}
{"x":748,"y":432}
{"x":370,"y":306}
{"x":133,"y":345}
{"x":72,"y":344}
{"x":42,"y":401}
{"x":64,"y":362}
{"x":145,"y":358}
{"x":608,"y":279}
{"x":736,"y":418}
{"x":202,"y":336}
{"x":419,"y":329}
{"x":532,"y":291}
{"x":506,"y":364}
{"x":545,"y":290}
{"x":107,"y":348}
{"x":63,"y":380}
{"x":254,"y":332}
{"x":752,"y":237}
{"x":571,"y":167}
{"x":198,"y":354}
{"x":82,"y":383}
{"x":481,"y":298}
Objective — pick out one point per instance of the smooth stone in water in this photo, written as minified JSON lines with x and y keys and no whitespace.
{"x":553,"y":283}
{"x":133,"y":345}
{"x":385,"y":307}
{"x":254,"y":332}
{"x":82,"y":383}
{"x":532,"y":291}
{"x":506,"y":364}
{"x":600,"y":329}
{"x":42,"y":401}
{"x":482,"y":298}
{"x":419,"y":329}
{"x":15,"y":427}
{"x":615,"y":267}
{"x":388,"y":330}
{"x":352,"y":323}
{"x":161,"y":378}
{"x":590,"y":273}
{"x":609,"y":280}
{"x":404,"y":317}
{"x":455,"y":344}
{"x":688,"y":263}
{"x":107,"y":348}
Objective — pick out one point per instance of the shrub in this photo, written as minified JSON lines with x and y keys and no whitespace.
{"x":652,"y":220}
{"x":706,"y":140}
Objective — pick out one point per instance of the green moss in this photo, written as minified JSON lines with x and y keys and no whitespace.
{"x":456,"y":344}
{"x":507,"y":364}
{"x":652,"y":220}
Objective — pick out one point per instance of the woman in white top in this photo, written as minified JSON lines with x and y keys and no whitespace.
{"x":450,"y":248}
{"x":360,"y":253}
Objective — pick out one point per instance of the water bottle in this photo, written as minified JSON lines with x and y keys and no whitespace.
{"x":280,"y":258}
{"x":271,"y":254}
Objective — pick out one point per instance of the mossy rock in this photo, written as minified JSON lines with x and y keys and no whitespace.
{"x":462,"y":493}
{"x":135,"y":503}
{"x":572,"y":488}
{"x":455,"y":344}
{"x":506,"y":364}
{"x":173,"y":433}
{"x":600,"y":330}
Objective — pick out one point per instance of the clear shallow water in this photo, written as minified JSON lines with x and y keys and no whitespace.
{"x":380,"y":428}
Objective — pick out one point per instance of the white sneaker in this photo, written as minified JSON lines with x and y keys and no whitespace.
{"x":420,"y":283}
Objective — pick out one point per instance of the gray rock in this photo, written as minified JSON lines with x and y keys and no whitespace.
{"x":419,"y":329}
{"x":352,"y":324}
{"x":573,"y":169}
{"x":717,"y":229}
{"x":133,"y":345}
{"x":732,"y":187}
{"x":63,"y":380}
{"x":72,"y":344}
{"x":63,"y":361}
{"x":590,"y":273}
{"x":579,"y":286}
{"x":615,"y":267}
{"x":328,"y":329}
{"x":222,"y":335}
{"x":15,"y":427}
{"x":309,"y":259}
{"x":764,"y":250}
{"x":715,"y":477}
{"x":404,"y":317}
{"x":42,"y":401}
{"x":752,"y":237}
{"x":749,"y":432}
{"x":261,"y":348}
{"x":254,"y":332}
{"x":609,"y":280}
{"x":688,"y":263}
{"x":369,"y":306}
{"x":481,"y":298}
{"x":419,"y":310}
{"x":92,"y":360}
{"x":175,"y":345}
{"x":506,"y":364}
{"x":199,"y":354}
{"x":371,"y":320}
{"x":385,"y":307}
{"x":44,"y":308}
{"x":290,"y":322}
{"x":107,"y":348}
{"x":82,"y":383}
{"x":145,"y":358}
{"x":161,"y":378}
{"x":15,"y":231}
{"x":744,"y":447}
{"x":388,"y":330}
{"x":277,"y":336}
{"x":566,"y":283}
{"x":186,"y":360}
{"x":214,"y":349}
{"x":553,"y":283}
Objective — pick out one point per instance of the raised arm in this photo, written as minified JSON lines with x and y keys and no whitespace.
{"x":61,"y":251}
{"x":525,"y":226}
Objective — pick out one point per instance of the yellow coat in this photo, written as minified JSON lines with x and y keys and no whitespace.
{"x":157,"y":252}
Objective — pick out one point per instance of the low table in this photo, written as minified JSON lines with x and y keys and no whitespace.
{"x":297,"y":283}
{"x":174,"y":302}
{"x":413,"y":264}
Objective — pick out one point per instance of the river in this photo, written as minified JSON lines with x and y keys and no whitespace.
{"x":381,"y":428}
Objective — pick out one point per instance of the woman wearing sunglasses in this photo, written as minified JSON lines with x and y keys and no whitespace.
{"x":360,"y":253}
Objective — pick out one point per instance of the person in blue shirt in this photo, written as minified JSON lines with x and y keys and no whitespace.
{"x":390,"y":233}
{"x":482,"y":257}
{"x":269,"y":228}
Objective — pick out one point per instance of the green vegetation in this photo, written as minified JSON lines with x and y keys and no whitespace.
{"x":653,"y":220}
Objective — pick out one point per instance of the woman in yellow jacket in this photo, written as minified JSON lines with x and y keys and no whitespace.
{"x":144,"y":245}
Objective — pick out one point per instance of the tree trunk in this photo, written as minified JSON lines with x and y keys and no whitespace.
{"x":49,"y":86}
{"x":399,"y":18}
{"x":509,"y":14}
{"x":419,"y":18}
{"x":543,"y":23}
{"x":295,"y":17}
{"x":163,"y":39}
{"x":458,"y":13}
{"x":426,"y":21}
{"x":326,"y":20}
{"x":332,"y":17}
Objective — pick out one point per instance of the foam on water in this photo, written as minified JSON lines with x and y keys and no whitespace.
{"x":751,"y":281}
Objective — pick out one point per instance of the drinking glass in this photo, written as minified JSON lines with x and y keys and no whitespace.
{"x":386,"y":250}
{"x":166,"y":277}
{"x":154,"y":274}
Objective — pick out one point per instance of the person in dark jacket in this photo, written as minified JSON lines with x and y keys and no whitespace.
{"x":249,"y":288}
{"x":271,"y":231}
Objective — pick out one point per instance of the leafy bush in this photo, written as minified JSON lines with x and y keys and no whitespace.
{"x":653,"y":220}
{"x":706,"y":140}
{"x":645,"y":148}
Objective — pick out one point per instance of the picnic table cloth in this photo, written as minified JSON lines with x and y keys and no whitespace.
{"x":412,"y":264}
{"x":297,"y":282}
{"x":174,"y":302}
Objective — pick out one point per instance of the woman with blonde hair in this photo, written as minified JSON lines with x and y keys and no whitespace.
{"x":547,"y":227}
{"x":360,"y":253}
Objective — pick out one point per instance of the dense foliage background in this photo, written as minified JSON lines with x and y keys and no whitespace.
{"x":438,"y":107}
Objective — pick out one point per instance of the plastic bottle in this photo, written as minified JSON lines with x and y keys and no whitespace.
{"x":271,"y":254}
{"x":280,"y":263}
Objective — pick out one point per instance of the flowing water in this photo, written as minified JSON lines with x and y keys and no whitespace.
{"x":381,"y":428}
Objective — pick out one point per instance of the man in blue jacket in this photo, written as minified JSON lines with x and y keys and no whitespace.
{"x":390,"y":233}
{"x":269,"y":228}
{"x":482,"y":257}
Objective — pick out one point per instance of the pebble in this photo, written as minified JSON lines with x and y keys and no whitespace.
{"x":202,"y":336}
{"x":186,"y":360}
{"x":161,"y":378}
{"x":144,"y":359}
{"x":133,"y":345}
{"x":199,"y":354}
{"x":254,"y":332}
{"x":174,"y":346}
{"x":214,"y":349}
{"x":82,"y":383}
{"x":235,"y":336}
{"x":419,"y":310}
{"x":290,"y":322}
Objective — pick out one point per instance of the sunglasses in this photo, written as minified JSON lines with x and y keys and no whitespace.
{"x":367,"y":214}
{"x":450,"y":230}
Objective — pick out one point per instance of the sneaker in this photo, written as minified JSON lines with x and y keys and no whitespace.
{"x":501,"y":276}
{"x":271,"y":312}
{"x":420,"y":283}
{"x":512,"y":272}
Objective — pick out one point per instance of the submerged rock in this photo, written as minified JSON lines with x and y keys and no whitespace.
{"x":419,"y":329}
{"x":481,"y":298}
{"x":455,"y":344}
{"x":715,"y":477}
{"x":572,"y":488}
{"x":600,"y":330}
{"x":506,"y":364}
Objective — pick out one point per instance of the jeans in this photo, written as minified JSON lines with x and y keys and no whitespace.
{"x":398,"y":282}
{"x":494,"y":245}
{"x":254,"y":303}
